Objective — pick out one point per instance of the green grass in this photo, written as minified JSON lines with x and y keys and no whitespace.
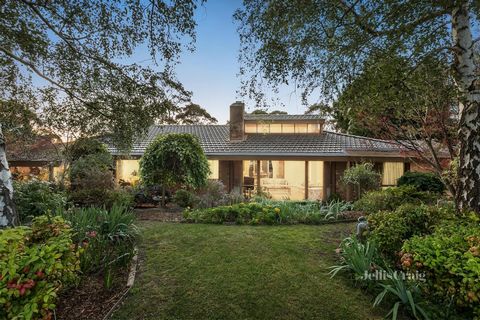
{"x":197,"y":271}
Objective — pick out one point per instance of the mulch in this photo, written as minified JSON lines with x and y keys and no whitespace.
{"x":90,"y":300}
{"x":169,"y":214}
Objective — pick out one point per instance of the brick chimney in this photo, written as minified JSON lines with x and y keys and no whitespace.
{"x":237,"y":111}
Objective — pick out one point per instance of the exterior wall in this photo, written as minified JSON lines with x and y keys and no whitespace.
{"x":46,"y":172}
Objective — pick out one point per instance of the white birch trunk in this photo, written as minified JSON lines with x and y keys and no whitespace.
{"x":8,"y":214}
{"x":468,"y":193}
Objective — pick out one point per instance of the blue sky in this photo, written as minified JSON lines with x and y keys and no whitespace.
{"x":211,"y":71}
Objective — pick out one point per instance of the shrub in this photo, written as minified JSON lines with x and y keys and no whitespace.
{"x":85,"y":146}
{"x":389,"y":199}
{"x":389,"y":229}
{"x":92,"y":182}
{"x":264,"y":212}
{"x":34,"y":264}
{"x":108,"y":237}
{"x":422,"y":181}
{"x":450,"y":257}
{"x":185,"y":198}
{"x":363,"y":177}
{"x":212,"y":195}
{"x":34,"y":198}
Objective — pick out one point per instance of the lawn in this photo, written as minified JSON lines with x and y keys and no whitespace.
{"x":199,"y":271}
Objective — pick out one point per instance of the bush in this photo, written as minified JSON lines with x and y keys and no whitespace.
{"x":265,"y":212}
{"x":108,"y":237}
{"x":214,"y":194}
{"x":391,"y":198}
{"x":422,"y":181}
{"x":85,"y":146}
{"x":450,"y":257}
{"x":185,"y":198}
{"x":389,"y":229}
{"x":34,"y":198}
{"x":363,"y":177}
{"x":35,"y":263}
{"x":92,"y":183}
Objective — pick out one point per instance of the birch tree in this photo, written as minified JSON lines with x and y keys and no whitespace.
{"x":322,"y":46}
{"x":70,"y":57}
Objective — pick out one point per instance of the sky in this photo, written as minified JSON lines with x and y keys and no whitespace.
{"x":211,"y":71}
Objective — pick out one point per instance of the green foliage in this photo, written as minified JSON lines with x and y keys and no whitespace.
{"x":357,"y":257}
{"x":406,"y":296}
{"x":34,"y":198}
{"x":185,"y":198}
{"x":390,"y":198}
{"x":88,"y":86}
{"x":389,"y":229}
{"x":92,"y":183}
{"x":107,"y":236}
{"x":268,"y":212}
{"x":85,"y":147}
{"x":450,"y":257}
{"x":35,"y":263}
{"x":422,"y":181}
{"x":363,"y":177}
{"x":175,"y":160}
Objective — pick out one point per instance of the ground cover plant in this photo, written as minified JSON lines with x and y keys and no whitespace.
{"x":204,"y":271}
{"x":265,"y":211}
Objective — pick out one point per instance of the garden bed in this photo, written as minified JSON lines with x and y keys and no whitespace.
{"x":90,"y":300}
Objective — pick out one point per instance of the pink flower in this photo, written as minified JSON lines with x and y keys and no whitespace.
{"x":91,"y":234}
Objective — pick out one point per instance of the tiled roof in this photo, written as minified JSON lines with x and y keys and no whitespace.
{"x":215,"y":142}
{"x":282,"y":117}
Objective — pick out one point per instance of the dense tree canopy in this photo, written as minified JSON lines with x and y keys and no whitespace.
{"x":323,"y":46}
{"x":68,"y":54}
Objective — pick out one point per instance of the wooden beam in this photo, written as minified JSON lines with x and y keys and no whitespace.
{"x":258,"y":177}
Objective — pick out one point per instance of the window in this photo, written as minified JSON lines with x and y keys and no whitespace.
{"x":301,"y":128}
{"x":314,"y":128}
{"x":391,"y":172}
{"x":288,"y":128}
{"x":213,"y":164}
{"x":263,"y":128}
{"x":127,"y":170}
{"x":315,"y":180}
{"x":276,"y":128}
{"x":250,"y":128}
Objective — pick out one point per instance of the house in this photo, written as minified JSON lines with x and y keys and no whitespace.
{"x":40,"y":158}
{"x":288,"y":156}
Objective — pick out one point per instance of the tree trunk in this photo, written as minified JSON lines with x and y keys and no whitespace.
{"x":163,"y":197}
{"x":8,"y":213}
{"x":468,"y":193}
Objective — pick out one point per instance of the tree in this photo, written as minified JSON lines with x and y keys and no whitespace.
{"x":174,"y":160}
{"x":417,"y":107}
{"x":8,"y":213}
{"x":66,"y":56}
{"x":363,"y":177}
{"x":193,"y":114}
{"x":324,"y":45}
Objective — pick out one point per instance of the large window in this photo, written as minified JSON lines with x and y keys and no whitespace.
{"x":266,"y":128}
{"x":315,"y":180}
{"x":213,"y":164}
{"x":391,"y":172}
{"x":128,"y":170}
